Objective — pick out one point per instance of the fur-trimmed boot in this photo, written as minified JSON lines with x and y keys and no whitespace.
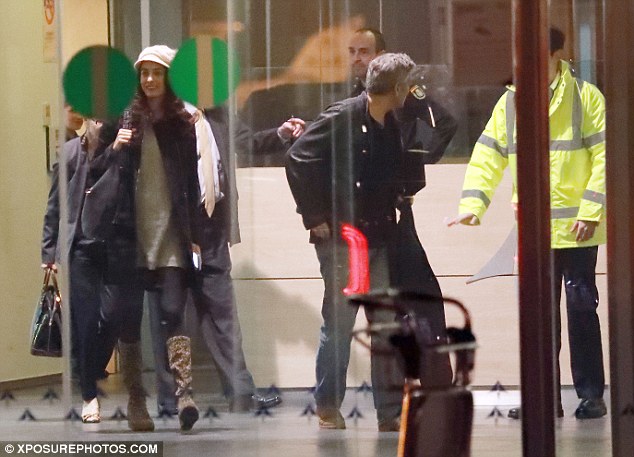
{"x":179,"y":354}
{"x":139,"y":419}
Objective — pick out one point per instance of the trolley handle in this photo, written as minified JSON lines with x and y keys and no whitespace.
{"x":460,"y":341}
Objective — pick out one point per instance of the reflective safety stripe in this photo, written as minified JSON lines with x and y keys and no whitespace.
{"x":593,"y":140}
{"x":563,"y":213}
{"x":566,"y":145}
{"x":577,"y":116}
{"x":493,"y":144}
{"x":577,"y":141}
{"x":475,"y":193}
{"x":596,"y":197}
{"x":510,"y":122}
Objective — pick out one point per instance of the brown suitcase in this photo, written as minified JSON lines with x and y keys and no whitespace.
{"x":436,"y":423}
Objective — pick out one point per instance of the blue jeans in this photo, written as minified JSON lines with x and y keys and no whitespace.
{"x":335,"y":337}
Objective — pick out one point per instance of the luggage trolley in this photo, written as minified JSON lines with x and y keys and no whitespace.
{"x":435,"y":422}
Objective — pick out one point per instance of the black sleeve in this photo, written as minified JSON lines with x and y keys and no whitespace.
{"x":308,"y":167}
{"x":70,"y":154}
{"x":444,"y":130}
{"x":50,"y":230}
{"x":258,"y":143}
{"x":435,"y":136}
{"x":104,"y":158}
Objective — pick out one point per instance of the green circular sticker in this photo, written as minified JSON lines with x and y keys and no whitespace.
{"x":199,"y":72}
{"x":99,"y":82}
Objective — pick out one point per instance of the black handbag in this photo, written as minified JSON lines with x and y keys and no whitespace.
{"x":46,"y":332}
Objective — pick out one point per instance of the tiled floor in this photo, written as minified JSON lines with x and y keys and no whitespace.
{"x":287,"y":433}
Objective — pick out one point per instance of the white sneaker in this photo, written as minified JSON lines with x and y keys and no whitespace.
{"x":90,"y":412}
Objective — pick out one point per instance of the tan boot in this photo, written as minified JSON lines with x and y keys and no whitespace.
{"x":139,"y":419}
{"x":179,"y":354}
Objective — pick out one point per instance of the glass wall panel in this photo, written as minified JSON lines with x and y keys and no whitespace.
{"x":256,"y":313}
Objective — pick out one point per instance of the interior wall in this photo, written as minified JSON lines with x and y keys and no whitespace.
{"x":27,"y":84}
{"x":85,"y":23}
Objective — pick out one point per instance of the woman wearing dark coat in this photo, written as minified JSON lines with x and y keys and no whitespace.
{"x":105,"y":301}
{"x":156,"y":151}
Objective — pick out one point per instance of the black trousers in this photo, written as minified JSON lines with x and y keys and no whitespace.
{"x":167,"y":296}
{"x":166,"y":292}
{"x":214,"y":301}
{"x":101,"y":313}
{"x":576,"y":267}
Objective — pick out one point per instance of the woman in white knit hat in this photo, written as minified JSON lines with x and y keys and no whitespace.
{"x":156,"y":147}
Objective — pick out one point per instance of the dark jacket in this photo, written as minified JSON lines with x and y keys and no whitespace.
{"x":245,"y":142}
{"x":337,"y":175}
{"x":91,"y":193}
{"x":177,"y":145}
{"x":77,"y":167}
{"x":426,"y":129}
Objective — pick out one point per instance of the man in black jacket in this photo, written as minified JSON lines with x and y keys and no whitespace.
{"x":349,"y":167}
{"x":213,"y":294}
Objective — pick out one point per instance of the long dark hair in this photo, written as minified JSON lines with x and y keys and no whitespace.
{"x":175,"y":117}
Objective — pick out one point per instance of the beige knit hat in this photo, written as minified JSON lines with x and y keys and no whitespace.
{"x":159,"y":53}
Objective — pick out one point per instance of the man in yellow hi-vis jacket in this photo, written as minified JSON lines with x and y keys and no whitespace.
{"x":577,"y":199}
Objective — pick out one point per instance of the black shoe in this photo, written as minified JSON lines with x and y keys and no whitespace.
{"x":516,"y":413}
{"x":247,"y":403}
{"x":591,"y":408}
{"x":265,"y":401}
